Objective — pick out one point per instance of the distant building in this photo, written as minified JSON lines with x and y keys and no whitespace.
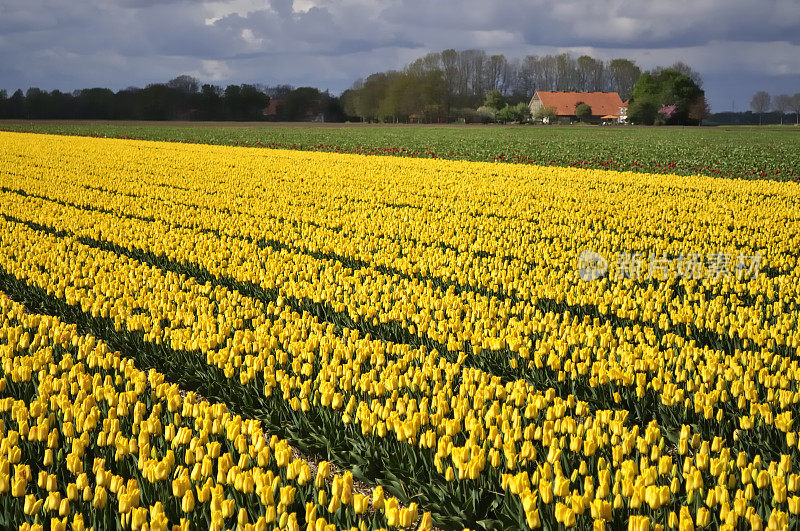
{"x":313,"y":111}
{"x":606,"y":106}
{"x":273,"y":108}
{"x":623,"y":112}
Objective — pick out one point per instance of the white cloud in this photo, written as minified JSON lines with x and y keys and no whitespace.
{"x":214,"y":71}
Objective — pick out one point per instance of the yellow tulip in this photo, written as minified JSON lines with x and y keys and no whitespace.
{"x":63,"y":508}
{"x":703,"y":517}
{"x":32,"y":505}
{"x":187,"y":501}
{"x":99,"y":500}
{"x":242,"y":518}
{"x":360,"y":503}
{"x":794,"y":505}
{"x":18,"y":486}
{"x":778,"y":489}
{"x":426,"y":524}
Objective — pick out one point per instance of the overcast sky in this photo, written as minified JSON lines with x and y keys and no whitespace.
{"x":738,"y":46}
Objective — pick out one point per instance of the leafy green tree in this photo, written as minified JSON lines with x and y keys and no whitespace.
{"x":583,"y":112}
{"x":683,"y":68}
{"x":486,"y":114}
{"x":421,"y":91}
{"x":546,"y":115}
{"x":514,"y":113}
{"x":432,"y":95}
{"x":157,"y":101}
{"x":373,"y":93}
{"x":98,"y":103}
{"x":211,"y":103}
{"x":350,"y":100}
{"x":37,"y":102}
{"x":522,"y":113}
{"x":16,"y":105}
{"x":495,"y":100}
{"x":642,"y":112}
{"x":61,"y":105}
{"x":505,"y":115}
{"x":681,"y":91}
{"x":646,"y":98}
{"x":129,"y":104}
{"x":401,"y":99}
{"x":665,"y":87}
{"x":303,"y":103}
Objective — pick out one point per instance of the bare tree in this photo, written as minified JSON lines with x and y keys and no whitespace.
{"x":796,"y":107}
{"x":464,"y":69}
{"x":783,"y":104}
{"x":495,"y":72}
{"x":185,"y":83}
{"x":513,"y":81}
{"x":687,"y":70}
{"x":698,"y":110}
{"x":528,"y":77}
{"x":450,"y":74}
{"x":426,"y":63}
{"x":472,"y":66}
{"x":621,"y":75}
{"x":549,"y":72}
{"x":478,"y":81}
{"x":590,"y":74}
{"x":507,"y":75}
{"x":760,"y":104}
{"x":567,"y":72}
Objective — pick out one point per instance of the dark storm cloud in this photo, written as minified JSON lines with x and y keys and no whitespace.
{"x":283,"y":8}
{"x":613,"y":23}
{"x":664,"y":25}
{"x":150,"y":3}
{"x":328,"y":43}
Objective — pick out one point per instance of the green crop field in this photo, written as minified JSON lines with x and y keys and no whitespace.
{"x":742,"y":152}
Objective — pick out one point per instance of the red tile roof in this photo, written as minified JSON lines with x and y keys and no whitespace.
{"x":272,"y":107}
{"x":602,"y":103}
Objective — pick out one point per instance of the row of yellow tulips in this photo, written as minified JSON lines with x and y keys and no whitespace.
{"x":470,"y":416}
{"x":161,"y":459}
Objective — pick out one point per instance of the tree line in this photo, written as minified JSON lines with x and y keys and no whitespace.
{"x":448,"y":86}
{"x":781,"y":105}
{"x":182,"y":98}
{"x":451,"y":85}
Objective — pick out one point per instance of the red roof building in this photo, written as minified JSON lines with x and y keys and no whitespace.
{"x":272,"y":108}
{"x":606,"y":106}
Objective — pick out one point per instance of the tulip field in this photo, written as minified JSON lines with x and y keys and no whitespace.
{"x":218,"y":337}
{"x":736,"y":152}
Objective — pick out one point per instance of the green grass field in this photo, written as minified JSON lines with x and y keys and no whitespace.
{"x":743,"y":152}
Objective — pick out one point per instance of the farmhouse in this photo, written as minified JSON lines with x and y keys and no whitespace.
{"x":606,"y":106}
